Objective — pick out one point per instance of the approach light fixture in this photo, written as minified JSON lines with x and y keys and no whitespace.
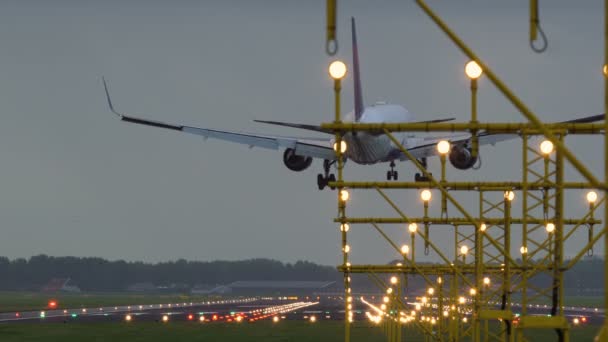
{"x":343,"y":146}
{"x":473,"y":70}
{"x":412,"y":227}
{"x":464,"y":249}
{"x":443,"y":147}
{"x":344,"y":195}
{"x":591,"y":197}
{"x":546,"y":147}
{"x":426,"y":195}
{"x":337,"y":70}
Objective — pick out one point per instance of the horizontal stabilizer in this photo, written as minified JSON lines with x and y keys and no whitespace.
{"x":436,"y":120}
{"x":587,"y":119}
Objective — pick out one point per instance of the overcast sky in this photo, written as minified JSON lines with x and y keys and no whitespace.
{"x":77,"y":181}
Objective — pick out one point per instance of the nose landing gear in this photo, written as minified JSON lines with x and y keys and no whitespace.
{"x":392,"y":174}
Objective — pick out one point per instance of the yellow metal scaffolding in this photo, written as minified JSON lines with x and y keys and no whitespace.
{"x":473,"y":293}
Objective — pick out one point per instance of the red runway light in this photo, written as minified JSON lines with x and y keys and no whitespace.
{"x":52,"y":304}
{"x":214,"y":317}
{"x":583,"y":319}
{"x":17,"y":314}
{"x":190,"y":317}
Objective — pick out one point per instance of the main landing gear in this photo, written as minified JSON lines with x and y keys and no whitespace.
{"x":392,"y":174}
{"x":421,"y":177}
{"x":326,"y":177}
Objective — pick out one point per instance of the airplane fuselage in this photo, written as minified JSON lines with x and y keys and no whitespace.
{"x":365,"y":148}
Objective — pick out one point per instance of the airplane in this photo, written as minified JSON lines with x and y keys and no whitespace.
{"x":362,"y":147}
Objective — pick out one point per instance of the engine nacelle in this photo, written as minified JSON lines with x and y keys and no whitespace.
{"x":295,"y":162}
{"x":461,"y":157}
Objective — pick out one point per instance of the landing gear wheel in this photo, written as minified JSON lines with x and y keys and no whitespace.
{"x":391,"y":174}
{"x":326,"y":177}
{"x":321,"y":181}
{"x":332,"y":178}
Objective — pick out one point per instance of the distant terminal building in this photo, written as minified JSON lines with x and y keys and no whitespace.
{"x":60,"y":285}
{"x":210,"y":290}
{"x":279,"y":287}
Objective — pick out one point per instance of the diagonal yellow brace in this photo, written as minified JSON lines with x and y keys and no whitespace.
{"x":445,"y":192}
{"x":513,"y":98}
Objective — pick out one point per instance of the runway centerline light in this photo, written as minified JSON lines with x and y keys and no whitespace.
{"x":591,"y":197}
{"x":483,"y":227}
{"x":165,"y":318}
{"x":443,"y":147}
{"x":128,"y":318}
{"x":394,"y":280}
{"x":550,"y":227}
{"x":473,"y":70}
{"x":509,"y":195}
{"x":344,"y":227}
{"x":337,"y":70}
{"x":405,"y":249}
{"x":486,"y":281}
{"x":313,"y":319}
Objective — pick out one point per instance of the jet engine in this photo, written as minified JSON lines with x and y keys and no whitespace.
{"x":461,"y":157}
{"x":295,"y":162}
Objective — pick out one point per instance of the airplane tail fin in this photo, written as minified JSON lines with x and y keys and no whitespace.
{"x":356,"y":75}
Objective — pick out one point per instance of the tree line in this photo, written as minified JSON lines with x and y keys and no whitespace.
{"x":98,"y":274}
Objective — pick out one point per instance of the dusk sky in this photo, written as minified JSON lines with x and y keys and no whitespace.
{"x":75,"y":180}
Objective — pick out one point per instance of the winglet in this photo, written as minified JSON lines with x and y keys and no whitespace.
{"x":105,"y":86}
{"x":356,"y":74}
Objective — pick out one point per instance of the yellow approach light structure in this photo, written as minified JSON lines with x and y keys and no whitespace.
{"x":507,"y":254}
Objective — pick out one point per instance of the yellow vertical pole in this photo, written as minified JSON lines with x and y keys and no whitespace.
{"x":558,"y":284}
{"x":454,"y":293}
{"x":444,"y":200}
{"x":506,"y":290}
{"x":342,"y":209}
{"x":524,"y":205}
{"x":484,"y":296}
{"x":474,"y":138}
{"x":440,"y":308}
{"x":533,"y":19}
{"x":603,"y":336}
{"x":331,"y":44}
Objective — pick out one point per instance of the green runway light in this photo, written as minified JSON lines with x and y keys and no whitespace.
{"x":74,"y":315}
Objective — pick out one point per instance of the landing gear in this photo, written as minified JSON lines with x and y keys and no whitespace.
{"x":421,"y":177}
{"x":326,"y":177}
{"x":392,"y":174}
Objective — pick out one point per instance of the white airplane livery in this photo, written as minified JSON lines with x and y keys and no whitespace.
{"x":362,"y":147}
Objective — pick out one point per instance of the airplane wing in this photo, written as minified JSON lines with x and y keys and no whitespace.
{"x":309,"y":147}
{"x":428,"y":147}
